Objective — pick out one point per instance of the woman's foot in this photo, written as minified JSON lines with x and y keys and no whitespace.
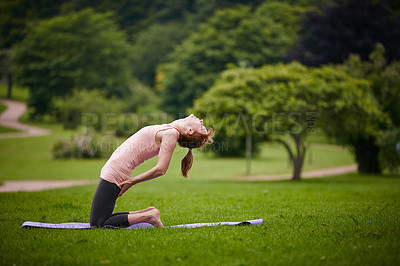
{"x":155,"y":218}
{"x":150,"y":215}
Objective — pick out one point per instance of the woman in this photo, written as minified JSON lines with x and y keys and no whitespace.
{"x":116,"y":174}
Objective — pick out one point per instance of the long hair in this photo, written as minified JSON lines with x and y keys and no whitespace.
{"x":196,"y":140}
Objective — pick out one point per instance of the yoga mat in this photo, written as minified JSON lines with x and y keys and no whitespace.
{"x":135,"y":226}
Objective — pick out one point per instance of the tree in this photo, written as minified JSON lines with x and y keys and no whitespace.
{"x":83,"y":50}
{"x":288,"y":99}
{"x":347,"y":27}
{"x":15,"y":15}
{"x":373,"y":151}
{"x":5,"y":70}
{"x":232,"y":35}
{"x":152,"y":47}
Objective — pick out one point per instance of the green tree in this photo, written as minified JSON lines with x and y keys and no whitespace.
{"x":345,"y":27}
{"x":385,"y":84}
{"x":289,"y":100}
{"x":5,"y":70}
{"x":83,"y":50}
{"x":15,"y":15}
{"x":151,"y":48}
{"x":233,"y":35}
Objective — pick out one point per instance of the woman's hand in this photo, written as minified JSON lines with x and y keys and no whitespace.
{"x":125,"y":186}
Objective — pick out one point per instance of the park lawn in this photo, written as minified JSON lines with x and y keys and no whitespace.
{"x":344,"y":220}
{"x":30,"y":159}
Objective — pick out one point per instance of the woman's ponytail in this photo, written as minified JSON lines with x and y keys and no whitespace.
{"x":186,"y":163}
{"x":196,"y":140}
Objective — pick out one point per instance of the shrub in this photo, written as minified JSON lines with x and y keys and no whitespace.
{"x":84,"y":146}
{"x":389,"y":154}
{"x":69,"y":110}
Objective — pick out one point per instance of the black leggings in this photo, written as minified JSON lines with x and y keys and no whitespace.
{"x":103,"y":205}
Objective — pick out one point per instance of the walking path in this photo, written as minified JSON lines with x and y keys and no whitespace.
{"x":9,"y":118}
{"x":311,"y":174}
{"x":38,"y":185}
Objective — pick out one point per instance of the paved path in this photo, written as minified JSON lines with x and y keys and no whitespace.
{"x":38,"y":185}
{"x":312,"y":174}
{"x":9,"y":118}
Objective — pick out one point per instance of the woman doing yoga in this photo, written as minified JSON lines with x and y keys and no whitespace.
{"x":115,"y":177}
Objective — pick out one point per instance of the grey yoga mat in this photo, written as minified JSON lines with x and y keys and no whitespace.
{"x":136,"y":226}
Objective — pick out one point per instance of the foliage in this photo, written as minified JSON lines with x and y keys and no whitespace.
{"x":82,"y":50}
{"x":93,"y":106}
{"x":94,"y":111}
{"x":151,"y":48}
{"x":344,"y":27}
{"x":389,"y":154}
{"x":5,"y":70}
{"x":290,"y":99}
{"x":233,"y":35}
{"x":86,"y":146}
{"x":385,"y":80}
{"x":141,"y":99}
{"x":16,"y":14}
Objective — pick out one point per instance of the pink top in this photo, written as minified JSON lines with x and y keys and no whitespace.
{"x":135,"y":150}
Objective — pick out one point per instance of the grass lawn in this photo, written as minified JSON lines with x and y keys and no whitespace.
{"x":7,"y":130}
{"x":345,"y":220}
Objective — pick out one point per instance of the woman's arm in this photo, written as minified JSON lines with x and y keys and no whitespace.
{"x":167,"y":146}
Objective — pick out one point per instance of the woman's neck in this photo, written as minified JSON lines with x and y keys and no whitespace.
{"x":179,"y":125}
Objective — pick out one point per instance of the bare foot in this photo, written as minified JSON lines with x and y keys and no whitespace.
{"x":150,"y":215}
{"x":155,"y":218}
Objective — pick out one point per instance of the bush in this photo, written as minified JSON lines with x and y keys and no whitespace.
{"x":94,"y":104}
{"x":83,"y":146}
{"x":389,"y":154}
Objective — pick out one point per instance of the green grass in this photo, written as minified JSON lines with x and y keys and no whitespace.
{"x":346,"y":220}
{"x":7,"y":130}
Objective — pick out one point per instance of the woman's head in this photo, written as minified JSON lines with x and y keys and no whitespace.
{"x":194,"y":135}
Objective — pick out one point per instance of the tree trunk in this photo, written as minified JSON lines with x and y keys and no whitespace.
{"x":9,"y":82}
{"x":298,"y":160}
{"x":248,"y":153}
{"x":366,"y":153}
{"x":297,"y":166}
